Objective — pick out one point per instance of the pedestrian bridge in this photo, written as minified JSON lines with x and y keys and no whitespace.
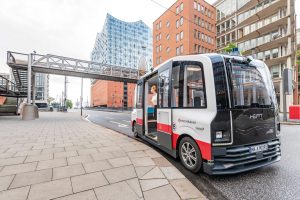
{"x":24,"y":66}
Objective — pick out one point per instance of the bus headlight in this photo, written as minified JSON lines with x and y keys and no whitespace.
{"x":221,"y":136}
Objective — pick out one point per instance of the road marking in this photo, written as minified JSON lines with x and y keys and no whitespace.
{"x":126,"y":121}
{"x":119,"y":124}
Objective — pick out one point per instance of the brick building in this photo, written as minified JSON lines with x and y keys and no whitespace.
{"x":112,"y":94}
{"x":187,"y":27}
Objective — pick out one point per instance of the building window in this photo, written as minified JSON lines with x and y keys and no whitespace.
{"x":195,"y":5}
{"x":168,"y":49}
{"x":177,"y":51}
{"x":181,"y":7}
{"x":267,"y":55}
{"x":181,"y":21}
{"x":177,"y":23}
{"x":275,"y":71}
{"x":199,"y":49}
{"x":195,"y":48}
{"x":199,"y":7}
{"x":168,"y":37}
{"x":275,"y":53}
{"x":195,"y":33}
{"x":160,"y":36}
{"x":168,"y":24}
{"x":159,"y":48}
{"x":160,"y":24}
{"x":181,"y":35}
{"x":177,"y":10}
{"x":157,"y":26}
{"x":160,"y":59}
{"x":163,"y":89}
{"x":181,"y":49}
{"x":199,"y":21}
{"x":177,"y":37}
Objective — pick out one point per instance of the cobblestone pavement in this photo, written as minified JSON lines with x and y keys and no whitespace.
{"x":60,"y":156}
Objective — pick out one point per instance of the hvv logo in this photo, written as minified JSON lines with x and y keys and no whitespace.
{"x":256,"y":116}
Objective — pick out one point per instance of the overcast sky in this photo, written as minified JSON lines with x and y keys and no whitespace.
{"x":67,"y":28}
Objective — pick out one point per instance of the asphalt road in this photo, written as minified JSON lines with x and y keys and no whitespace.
{"x":278,"y":181}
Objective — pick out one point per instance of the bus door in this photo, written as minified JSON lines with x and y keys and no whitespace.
{"x":164,"y":111}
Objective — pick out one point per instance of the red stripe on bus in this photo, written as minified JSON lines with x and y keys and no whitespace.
{"x":164,"y":128}
{"x":139,"y":121}
{"x":204,"y":147}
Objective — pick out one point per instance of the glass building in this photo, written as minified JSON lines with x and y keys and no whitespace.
{"x":123,"y":43}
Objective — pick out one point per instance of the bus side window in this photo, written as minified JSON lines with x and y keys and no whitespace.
{"x":194,"y":91}
{"x":139,"y":96}
{"x":163,"y":94}
{"x":176,"y":87}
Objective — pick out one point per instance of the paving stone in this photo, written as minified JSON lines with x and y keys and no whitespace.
{"x":141,"y":171}
{"x":137,"y":154}
{"x":119,"y":174}
{"x":28,"y":153}
{"x":154,"y":173}
{"x":12,"y":161}
{"x":118,"y":162}
{"x":65,"y":154}
{"x":63,"y":145}
{"x":161,"y":193}
{"x":138,"y":147}
{"x":79,"y":159}
{"x":5,"y":182}
{"x":96,"y":166}
{"x":153,"y":183}
{"x":52,"y":150}
{"x":186,"y":189}
{"x":95,"y":145}
{"x":67,"y":171}
{"x":47,"y":146}
{"x":135,"y":186}
{"x":88,"y":181}
{"x":7,"y":155}
{"x":161,"y":162}
{"x":15,"y":194}
{"x":74,"y":148}
{"x":15,"y":169}
{"x":87,"y":195}
{"x":109,"y":149}
{"x":59,"y":162}
{"x":142,"y":162}
{"x":87,"y":151}
{"x":102,"y":156}
{"x":39,"y":157}
{"x":171,"y":173}
{"x":116,"y":191}
{"x":30,"y":178}
{"x":50,"y":190}
{"x":153,"y":154}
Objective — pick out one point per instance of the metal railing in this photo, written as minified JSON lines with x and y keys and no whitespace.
{"x":9,"y":88}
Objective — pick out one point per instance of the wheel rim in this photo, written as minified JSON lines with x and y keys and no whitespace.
{"x":188,"y":154}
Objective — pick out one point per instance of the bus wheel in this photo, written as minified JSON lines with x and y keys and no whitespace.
{"x":135,"y":133}
{"x":190,"y":155}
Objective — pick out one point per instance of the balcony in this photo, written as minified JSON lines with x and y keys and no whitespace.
{"x":264,"y":29}
{"x":269,"y":45}
{"x":268,"y":11}
{"x":277,"y":60}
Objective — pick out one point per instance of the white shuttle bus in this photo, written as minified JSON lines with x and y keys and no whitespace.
{"x":217,"y":113}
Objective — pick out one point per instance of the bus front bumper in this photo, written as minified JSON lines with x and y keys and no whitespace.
{"x":232,"y":160}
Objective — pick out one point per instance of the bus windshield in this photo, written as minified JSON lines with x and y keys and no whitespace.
{"x":251,"y":85}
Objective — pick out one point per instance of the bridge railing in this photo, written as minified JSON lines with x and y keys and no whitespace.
{"x":7,"y":86}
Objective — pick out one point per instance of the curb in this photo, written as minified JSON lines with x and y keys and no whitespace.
{"x":290,"y":123}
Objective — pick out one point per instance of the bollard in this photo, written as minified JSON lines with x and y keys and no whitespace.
{"x":36,"y":111}
{"x":28,"y":112}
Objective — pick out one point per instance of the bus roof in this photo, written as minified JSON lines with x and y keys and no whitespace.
{"x":195,"y":56}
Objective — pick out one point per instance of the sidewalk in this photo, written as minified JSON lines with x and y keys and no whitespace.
{"x":60,"y":156}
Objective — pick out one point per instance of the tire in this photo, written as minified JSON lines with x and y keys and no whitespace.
{"x":135,"y":133}
{"x":192,"y":160}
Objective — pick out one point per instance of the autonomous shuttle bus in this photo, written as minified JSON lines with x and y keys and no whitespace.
{"x":215,"y":112}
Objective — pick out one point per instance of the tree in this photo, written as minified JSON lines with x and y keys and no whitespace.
{"x":298,"y":57}
{"x":229,"y":47}
{"x":50,"y":99}
{"x":69,"y":103}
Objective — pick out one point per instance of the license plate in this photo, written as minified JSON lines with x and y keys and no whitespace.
{"x":258,"y":148}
